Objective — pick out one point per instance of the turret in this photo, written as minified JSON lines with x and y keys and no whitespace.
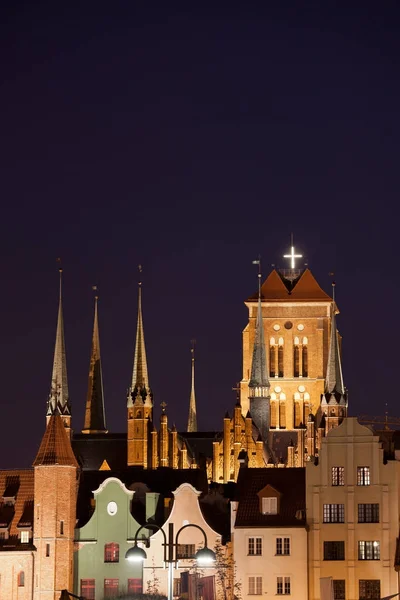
{"x":95,"y":421}
{"x":58,"y":402}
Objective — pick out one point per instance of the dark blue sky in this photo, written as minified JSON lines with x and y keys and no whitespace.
{"x":190,"y":141}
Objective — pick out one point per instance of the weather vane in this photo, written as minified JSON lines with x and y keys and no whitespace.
{"x":292,"y":256}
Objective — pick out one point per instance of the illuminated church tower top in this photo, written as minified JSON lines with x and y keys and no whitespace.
{"x":296,"y":318}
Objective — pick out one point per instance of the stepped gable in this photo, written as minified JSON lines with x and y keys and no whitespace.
{"x":16,"y":506}
{"x":289,"y":482}
{"x":55,"y":448}
{"x":304,"y":288}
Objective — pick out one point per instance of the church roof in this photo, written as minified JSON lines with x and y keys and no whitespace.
{"x":55,"y":447}
{"x":303,"y":288}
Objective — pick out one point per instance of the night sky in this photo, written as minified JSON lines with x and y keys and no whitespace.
{"x":190,"y":140}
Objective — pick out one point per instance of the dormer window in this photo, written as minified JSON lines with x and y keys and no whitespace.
{"x":269,"y":506}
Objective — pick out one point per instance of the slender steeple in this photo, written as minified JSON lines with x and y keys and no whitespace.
{"x":259,"y":383}
{"x":95,"y":421}
{"x":59,"y":396}
{"x":192,"y":420}
{"x":140,"y":376}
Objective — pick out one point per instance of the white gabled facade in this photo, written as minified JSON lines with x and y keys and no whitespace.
{"x":353,"y":515}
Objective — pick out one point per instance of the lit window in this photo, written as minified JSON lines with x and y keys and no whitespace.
{"x":185,"y":551}
{"x":369,"y":550}
{"x":339,"y":589}
{"x":283,"y":586}
{"x":283,"y":546}
{"x":255,"y":586}
{"x":369,"y":589}
{"x":333,"y":513}
{"x":111,"y":588}
{"x":368,"y":513}
{"x":21,"y":579}
{"x":255,"y":546}
{"x":269,"y":506}
{"x":88,"y":589}
{"x":24,"y":537}
{"x":363,"y":476}
{"x":135,"y":586}
{"x":111,"y":552}
{"x":337,"y":475}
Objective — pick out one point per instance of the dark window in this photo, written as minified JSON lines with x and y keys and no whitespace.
{"x":255,"y":546}
{"x":111,"y":588}
{"x":363,"y":476}
{"x":272,"y":360}
{"x":61,"y":527}
{"x":339,"y":589}
{"x":185,"y":551}
{"x":337,"y":475}
{"x":111,"y":552}
{"x":47,"y":550}
{"x":369,"y":589}
{"x":88,"y":589}
{"x":283,"y":586}
{"x":333,"y":513}
{"x":368,"y":513}
{"x":333,"y":550}
{"x":21,"y":579}
{"x":369,"y":550}
{"x":283,"y":546}
{"x":135,"y":586}
{"x":280,"y":361}
{"x":305,"y":361}
{"x":296,"y":361}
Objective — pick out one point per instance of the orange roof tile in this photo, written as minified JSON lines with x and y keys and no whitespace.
{"x":55,"y":448}
{"x":304,"y":289}
{"x":18,"y":485}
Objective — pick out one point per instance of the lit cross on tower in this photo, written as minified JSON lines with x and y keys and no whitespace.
{"x":292,"y":255}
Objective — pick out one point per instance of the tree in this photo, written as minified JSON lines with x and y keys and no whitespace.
{"x":228,"y":586}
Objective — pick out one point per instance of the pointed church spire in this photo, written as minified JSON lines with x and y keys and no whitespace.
{"x":334,"y":376}
{"x":59,"y":395}
{"x":95,"y":421}
{"x":140,"y":376}
{"x":259,"y":383}
{"x":192,"y":420}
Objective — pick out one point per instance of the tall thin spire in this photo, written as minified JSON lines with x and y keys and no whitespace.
{"x":140,"y":376}
{"x":334,"y":376}
{"x":192,"y":420}
{"x":95,"y":415}
{"x":259,"y":383}
{"x":59,"y":396}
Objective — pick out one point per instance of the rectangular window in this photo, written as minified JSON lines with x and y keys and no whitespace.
{"x":337,"y":475}
{"x":88,"y":589}
{"x":255,"y":546}
{"x":61,"y":527}
{"x":339,"y":589}
{"x":135,"y":586}
{"x":369,"y":550}
{"x":363,"y":476}
{"x":270,"y":506}
{"x":111,"y":587}
{"x":368,"y":513}
{"x":177,"y":586}
{"x":333,"y":550}
{"x":283,"y":546}
{"x":255,"y":586}
{"x":283,"y":586}
{"x":333,"y":513}
{"x":47,"y":550}
{"x":369,"y":589}
{"x":24,"y":537}
{"x":185,"y":551}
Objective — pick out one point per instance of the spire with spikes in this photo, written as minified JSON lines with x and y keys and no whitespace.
{"x":192,"y":420}
{"x":95,"y":421}
{"x":334,"y":387}
{"x":140,"y":377}
{"x":59,"y":397}
{"x":259,"y":383}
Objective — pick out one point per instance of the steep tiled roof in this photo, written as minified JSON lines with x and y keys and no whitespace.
{"x":303,"y":289}
{"x":289,"y":482}
{"x":55,"y":448}
{"x":18,"y":488}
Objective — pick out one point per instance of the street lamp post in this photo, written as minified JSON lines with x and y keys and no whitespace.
{"x":205,"y":557}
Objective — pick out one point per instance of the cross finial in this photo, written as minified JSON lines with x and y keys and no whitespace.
{"x":237,"y":390}
{"x":258,"y":262}
{"x":292,"y":256}
{"x":163,"y":406}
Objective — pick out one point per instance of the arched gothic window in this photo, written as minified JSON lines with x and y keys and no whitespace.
{"x":296,"y":361}
{"x":305,"y":361}
{"x":280,"y":357}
